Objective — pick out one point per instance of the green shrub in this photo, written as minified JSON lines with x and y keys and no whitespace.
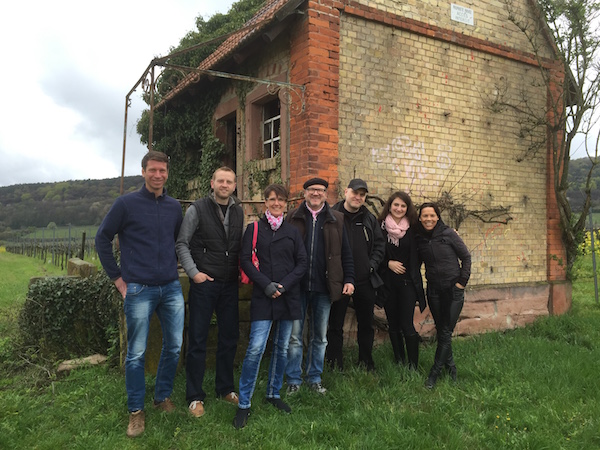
{"x":66,"y":317}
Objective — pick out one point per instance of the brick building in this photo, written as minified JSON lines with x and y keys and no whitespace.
{"x":399,"y":93}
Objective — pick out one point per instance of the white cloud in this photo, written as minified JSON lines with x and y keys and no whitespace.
{"x":68,"y":66}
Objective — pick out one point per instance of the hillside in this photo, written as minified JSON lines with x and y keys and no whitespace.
{"x":578,"y":170}
{"x":85,"y":202}
{"x":78,"y":202}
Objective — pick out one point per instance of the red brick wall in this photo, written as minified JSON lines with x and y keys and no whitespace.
{"x":314,"y":62}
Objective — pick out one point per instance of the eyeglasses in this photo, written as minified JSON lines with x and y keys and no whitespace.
{"x":316,"y":190}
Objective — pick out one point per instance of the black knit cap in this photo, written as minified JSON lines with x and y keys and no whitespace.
{"x":314,"y":181}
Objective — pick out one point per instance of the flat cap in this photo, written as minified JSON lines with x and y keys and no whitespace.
{"x":314,"y":181}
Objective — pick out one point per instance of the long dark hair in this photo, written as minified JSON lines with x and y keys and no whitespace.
{"x":411,"y":211}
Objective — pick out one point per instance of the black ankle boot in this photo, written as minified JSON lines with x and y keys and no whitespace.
{"x":432,"y":378}
{"x":451,"y":367}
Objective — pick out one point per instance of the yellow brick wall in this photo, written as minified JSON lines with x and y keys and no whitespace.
{"x":490,"y":17}
{"x":413,"y":117}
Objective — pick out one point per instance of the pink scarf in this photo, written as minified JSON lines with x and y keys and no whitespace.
{"x":315,"y":213}
{"x":275,"y":222}
{"x":395,"y":231}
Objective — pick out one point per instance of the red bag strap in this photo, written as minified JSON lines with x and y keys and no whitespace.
{"x":254,"y":236}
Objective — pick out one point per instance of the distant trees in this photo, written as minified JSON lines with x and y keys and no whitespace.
{"x":573,"y":101}
{"x":79,"y":202}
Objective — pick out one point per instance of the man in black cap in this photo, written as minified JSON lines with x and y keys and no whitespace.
{"x":330,"y":277}
{"x":368,"y":248}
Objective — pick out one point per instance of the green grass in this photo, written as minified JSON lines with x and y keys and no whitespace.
{"x":16,"y":271}
{"x":531,"y":388}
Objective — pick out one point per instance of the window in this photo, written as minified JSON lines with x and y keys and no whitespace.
{"x":271,"y":129}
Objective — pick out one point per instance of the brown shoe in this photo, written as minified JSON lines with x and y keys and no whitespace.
{"x":196,"y":408}
{"x":137,"y":424}
{"x":232,"y":398}
{"x":166,"y":405}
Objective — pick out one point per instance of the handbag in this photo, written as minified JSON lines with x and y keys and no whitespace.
{"x":244,"y":278}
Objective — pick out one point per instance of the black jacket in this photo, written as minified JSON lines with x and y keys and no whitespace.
{"x":330,"y":263}
{"x":282,"y":259}
{"x":366,"y":241}
{"x":441,"y":251}
{"x":406,"y":253}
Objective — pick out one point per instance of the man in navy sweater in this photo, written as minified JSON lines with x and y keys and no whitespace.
{"x":147,"y":223}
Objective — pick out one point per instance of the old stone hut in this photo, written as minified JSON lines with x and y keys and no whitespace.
{"x":402,"y":94}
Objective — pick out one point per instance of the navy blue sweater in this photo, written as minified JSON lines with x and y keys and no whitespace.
{"x":147,"y":227}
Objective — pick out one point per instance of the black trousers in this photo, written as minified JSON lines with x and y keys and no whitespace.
{"x":445,"y":306}
{"x":204,"y":299}
{"x":364,"y":301}
{"x":400,"y":308}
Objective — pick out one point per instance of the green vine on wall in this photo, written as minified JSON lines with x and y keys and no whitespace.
{"x":184,"y":131}
{"x":260,"y":177}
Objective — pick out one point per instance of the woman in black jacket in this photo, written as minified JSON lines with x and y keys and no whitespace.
{"x":403,"y":285}
{"x":447,"y":269}
{"x":276,"y":300}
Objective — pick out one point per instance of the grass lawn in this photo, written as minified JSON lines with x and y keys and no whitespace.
{"x":531,"y":388}
{"x":16,"y":271}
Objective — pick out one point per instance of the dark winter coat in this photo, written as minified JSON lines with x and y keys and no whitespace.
{"x":366,"y":241}
{"x":330,"y":263}
{"x":446,"y":257}
{"x":406,"y":252}
{"x":282,"y":259}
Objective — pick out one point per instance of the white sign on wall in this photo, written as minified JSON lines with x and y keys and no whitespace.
{"x":461,"y":14}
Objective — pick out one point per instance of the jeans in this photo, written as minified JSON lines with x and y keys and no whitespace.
{"x":204,"y":299}
{"x":259,"y":334}
{"x":320,"y":306}
{"x":141,"y":302}
{"x":364,"y":301}
{"x":445,"y":306}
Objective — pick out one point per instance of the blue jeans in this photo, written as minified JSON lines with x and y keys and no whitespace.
{"x":320,"y":306}
{"x":141,"y":302}
{"x":259,"y":334}
{"x":204,"y":299}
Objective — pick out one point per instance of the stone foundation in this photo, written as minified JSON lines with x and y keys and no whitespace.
{"x":486,"y":309}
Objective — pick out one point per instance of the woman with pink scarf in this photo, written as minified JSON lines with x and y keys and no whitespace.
{"x":275,"y":302}
{"x":403,"y":284}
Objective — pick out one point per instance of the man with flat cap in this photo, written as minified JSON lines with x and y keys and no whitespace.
{"x":368,"y":248}
{"x":330,"y":276}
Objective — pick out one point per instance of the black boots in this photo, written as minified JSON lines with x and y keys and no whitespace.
{"x":443,"y":352}
{"x":451,"y":367}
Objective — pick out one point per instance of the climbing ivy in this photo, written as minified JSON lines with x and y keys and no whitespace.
{"x":184,"y":131}
{"x":183,"y":127}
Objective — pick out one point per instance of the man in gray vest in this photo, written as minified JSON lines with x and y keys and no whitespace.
{"x":208,"y":247}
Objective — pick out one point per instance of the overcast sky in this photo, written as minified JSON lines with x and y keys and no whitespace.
{"x":66,"y":68}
